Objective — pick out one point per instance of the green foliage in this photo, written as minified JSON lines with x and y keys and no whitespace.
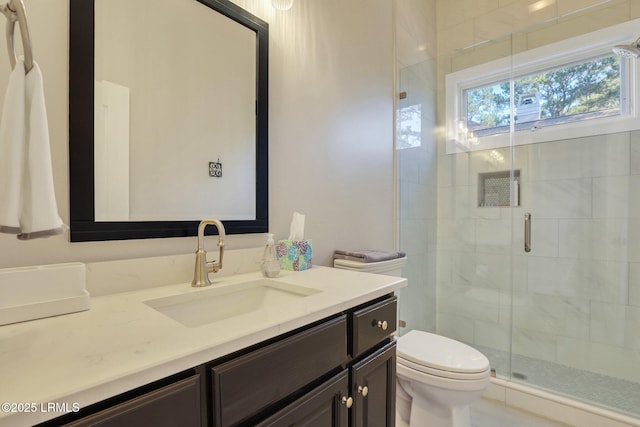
{"x":581,"y":88}
{"x":489,"y":105}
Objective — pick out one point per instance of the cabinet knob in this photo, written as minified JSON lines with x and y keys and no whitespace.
{"x":363,"y":390}
{"x":382,"y":324}
{"x":347,"y":401}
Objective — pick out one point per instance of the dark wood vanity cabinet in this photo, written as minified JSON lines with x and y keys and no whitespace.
{"x":374,"y":389}
{"x":177,"y":403}
{"x":363,"y":393}
{"x":324,"y":406}
{"x":373,"y":377}
{"x":336,"y":372}
{"x":248,"y":385}
{"x":368,"y":402}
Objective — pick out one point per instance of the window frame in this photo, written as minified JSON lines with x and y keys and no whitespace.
{"x":563,"y":53}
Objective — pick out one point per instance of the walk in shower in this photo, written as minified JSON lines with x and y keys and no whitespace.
{"x":565,"y":316}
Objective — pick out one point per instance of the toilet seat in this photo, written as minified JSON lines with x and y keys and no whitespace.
{"x":441,"y":356}
{"x":405,"y":372}
{"x":442,"y":373}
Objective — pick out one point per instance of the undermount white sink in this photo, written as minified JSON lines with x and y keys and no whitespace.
{"x":218,"y":303}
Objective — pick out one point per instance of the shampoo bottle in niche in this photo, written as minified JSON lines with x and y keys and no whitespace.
{"x":270,"y":263}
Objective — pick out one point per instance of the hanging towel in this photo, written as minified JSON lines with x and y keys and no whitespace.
{"x":27,"y":200}
{"x":371,"y":255}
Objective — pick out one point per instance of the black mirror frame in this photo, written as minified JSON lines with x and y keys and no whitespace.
{"x":83,"y":226}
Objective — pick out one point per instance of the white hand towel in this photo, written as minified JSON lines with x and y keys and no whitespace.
{"x":12,"y":153}
{"x":28,"y":206}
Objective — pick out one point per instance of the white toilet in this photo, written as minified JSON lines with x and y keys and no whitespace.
{"x":437,"y":377}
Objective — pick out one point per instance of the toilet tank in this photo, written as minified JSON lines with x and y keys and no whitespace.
{"x":392,"y":267}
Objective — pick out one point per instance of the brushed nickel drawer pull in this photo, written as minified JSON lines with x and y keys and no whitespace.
{"x":382,"y":324}
{"x":347,"y":401}
{"x":363,"y":390}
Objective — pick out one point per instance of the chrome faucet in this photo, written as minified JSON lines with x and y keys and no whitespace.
{"x":204,"y":267}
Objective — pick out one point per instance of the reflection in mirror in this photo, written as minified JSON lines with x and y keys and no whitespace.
{"x":185,"y":99}
{"x":176,"y":130}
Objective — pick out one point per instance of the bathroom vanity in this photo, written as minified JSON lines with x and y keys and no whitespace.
{"x":327,"y":355}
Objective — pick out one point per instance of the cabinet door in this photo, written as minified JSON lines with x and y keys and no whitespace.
{"x":177,"y":404}
{"x":373,"y":388}
{"x":321,"y":407}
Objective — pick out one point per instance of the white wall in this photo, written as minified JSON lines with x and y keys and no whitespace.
{"x":331,"y":130}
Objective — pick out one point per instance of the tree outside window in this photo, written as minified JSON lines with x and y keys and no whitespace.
{"x":590,"y":89}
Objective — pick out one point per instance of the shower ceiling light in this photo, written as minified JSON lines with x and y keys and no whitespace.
{"x":540,"y":4}
{"x":282,"y":4}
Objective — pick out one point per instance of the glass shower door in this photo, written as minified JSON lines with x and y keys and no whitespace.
{"x":417,"y":177}
{"x":476,"y":267}
{"x":575,"y":308}
{"x":565,"y":315}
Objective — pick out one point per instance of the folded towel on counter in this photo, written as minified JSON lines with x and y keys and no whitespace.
{"x":370,"y":255}
{"x":27,"y":201}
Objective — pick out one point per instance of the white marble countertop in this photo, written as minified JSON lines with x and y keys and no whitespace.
{"x":121,"y":343}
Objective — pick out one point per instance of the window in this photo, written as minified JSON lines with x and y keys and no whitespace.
{"x":409,"y":127}
{"x":573,"y":88}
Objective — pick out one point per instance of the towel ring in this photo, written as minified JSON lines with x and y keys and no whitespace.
{"x":15,"y":12}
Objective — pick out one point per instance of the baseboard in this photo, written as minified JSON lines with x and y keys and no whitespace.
{"x":554,"y":407}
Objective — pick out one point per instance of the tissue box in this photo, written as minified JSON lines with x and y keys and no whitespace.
{"x":294,"y":254}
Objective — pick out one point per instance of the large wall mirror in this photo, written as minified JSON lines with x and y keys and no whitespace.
{"x":168,"y":111}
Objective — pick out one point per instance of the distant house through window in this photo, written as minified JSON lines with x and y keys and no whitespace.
{"x":590,"y":89}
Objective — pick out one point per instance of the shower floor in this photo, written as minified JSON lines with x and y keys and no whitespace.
{"x":612,"y":393}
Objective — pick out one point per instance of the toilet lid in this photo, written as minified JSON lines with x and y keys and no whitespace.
{"x":435,"y":351}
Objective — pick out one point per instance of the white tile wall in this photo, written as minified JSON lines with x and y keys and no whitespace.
{"x":534,"y":344}
{"x":558,"y":198}
{"x":634,"y":284}
{"x":615,"y":361}
{"x":597,"y":239}
{"x":462,"y":23}
{"x":607,"y":323}
{"x":613,"y":197}
{"x":631,"y":328}
{"x":596,"y":280}
{"x":551,"y":315}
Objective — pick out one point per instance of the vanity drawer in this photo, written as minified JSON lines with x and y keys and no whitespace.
{"x":172,"y":405}
{"x":372,"y":324}
{"x":248,"y":384}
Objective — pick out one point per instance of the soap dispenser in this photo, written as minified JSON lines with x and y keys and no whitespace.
{"x":270,"y":263}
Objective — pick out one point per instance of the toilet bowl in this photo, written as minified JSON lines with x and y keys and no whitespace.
{"x":437,"y":379}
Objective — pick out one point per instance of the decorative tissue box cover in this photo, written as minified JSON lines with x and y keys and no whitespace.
{"x":294,"y":254}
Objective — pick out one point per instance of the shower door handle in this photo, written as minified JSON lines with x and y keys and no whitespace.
{"x":527,"y":232}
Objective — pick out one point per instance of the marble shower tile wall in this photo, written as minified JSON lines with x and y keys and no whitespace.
{"x":463,"y":23}
{"x":578,"y":291}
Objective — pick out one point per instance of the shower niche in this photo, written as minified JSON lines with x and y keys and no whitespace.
{"x":499,"y":189}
